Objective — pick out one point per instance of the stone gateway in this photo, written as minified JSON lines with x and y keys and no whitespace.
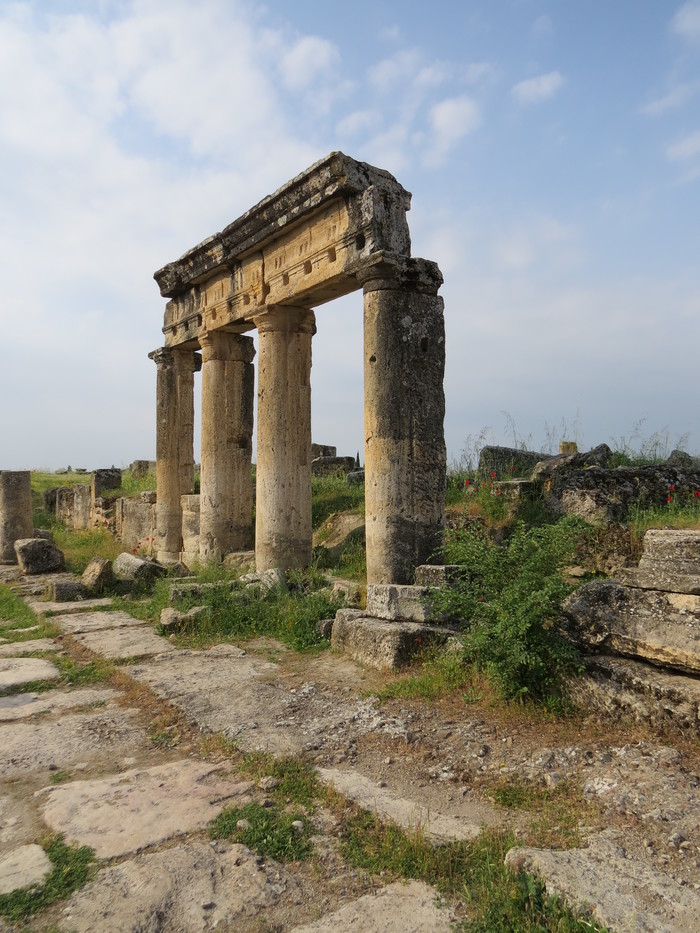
{"x":338,"y":227}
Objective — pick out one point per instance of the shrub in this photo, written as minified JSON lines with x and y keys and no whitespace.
{"x":510,"y":597}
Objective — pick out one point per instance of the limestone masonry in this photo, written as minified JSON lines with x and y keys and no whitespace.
{"x":338,"y":227}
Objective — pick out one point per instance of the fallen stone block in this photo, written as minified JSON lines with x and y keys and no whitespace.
{"x":64,"y":591}
{"x":238,"y":560}
{"x":655,"y":626}
{"x":172,"y":620}
{"x":381,"y":644}
{"x":98,"y":575}
{"x":36,"y":555}
{"x":137,"y":569}
{"x":621,"y":687}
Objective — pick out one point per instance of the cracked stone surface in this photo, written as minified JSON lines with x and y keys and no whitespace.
{"x":142,"y":807}
{"x":185,"y":889}
{"x":25,"y":705}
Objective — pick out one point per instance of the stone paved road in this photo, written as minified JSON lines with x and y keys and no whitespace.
{"x":121,"y":768}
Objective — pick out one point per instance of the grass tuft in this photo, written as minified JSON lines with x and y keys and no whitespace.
{"x":266,"y":830}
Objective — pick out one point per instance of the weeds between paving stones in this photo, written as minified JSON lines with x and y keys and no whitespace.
{"x":269,"y":831}
{"x":72,"y":868}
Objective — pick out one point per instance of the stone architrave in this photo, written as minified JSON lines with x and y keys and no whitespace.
{"x":283,"y":535}
{"x":226,"y":482}
{"x":338,"y":226}
{"x":174,"y":444}
{"x":15,"y":511}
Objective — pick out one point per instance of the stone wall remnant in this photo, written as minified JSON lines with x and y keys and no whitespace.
{"x":15,"y":511}
{"x":338,"y":227}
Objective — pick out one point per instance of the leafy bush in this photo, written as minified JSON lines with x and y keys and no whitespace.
{"x":510,"y":597}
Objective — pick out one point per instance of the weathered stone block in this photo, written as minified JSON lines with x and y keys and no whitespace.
{"x":137,"y":569}
{"x":356,"y":478}
{"x":323,"y":450}
{"x":660,"y":627}
{"x":508,"y":461}
{"x":98,"y":575}
{"x":105,"y":480}
{"x":380,"y":644}
{"x":621,"y":687}
{"x":173,"y":620}
{"x":65,"y":498}
{"x":36,"y":555}
{"x":15,"y":511}
{"x":435,"y":575}
{"x":399,"y":602}
{"x":48,"y":500}
{"x":82,"y":506}
{"x":332,"y":466}
{"x":65,"y":591}
{"x":679,"y":549}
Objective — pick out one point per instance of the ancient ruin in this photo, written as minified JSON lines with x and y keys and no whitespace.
{"x":338,"y":227}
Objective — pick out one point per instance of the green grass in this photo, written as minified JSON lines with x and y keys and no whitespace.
{"x":268,"y":831}
{"x":498,"y":901}
{"x":14,"y":609}
{"x":331,"y":494}
{"x":72,"y":868}
{"x":297,"y":782}
{"x":441,"y":672}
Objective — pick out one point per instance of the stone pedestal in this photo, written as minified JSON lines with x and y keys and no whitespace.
{"x":174,"y":444}
{"x":226,"y":482}
{"x":15,"y":512}
{"x":283,"y":472}
{"x":405,"y":455}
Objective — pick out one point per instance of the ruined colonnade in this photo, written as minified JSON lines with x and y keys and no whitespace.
{"x":338,"y":227}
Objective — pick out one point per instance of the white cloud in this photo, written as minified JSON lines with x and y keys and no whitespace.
{"x":534,"y":90}
{"x":478,"y":71}
{"x":359,"y":121}
{"x":308,"y":60}
{"x":686,"y":21}
{"x":451,"y":120}
{"x":673,"y":100}
{"x":684,"y":149}
{"x":400,"y":67}
{"x":542,"y":27}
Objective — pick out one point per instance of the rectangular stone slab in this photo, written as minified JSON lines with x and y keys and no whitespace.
{"x":660,"y":627}
{"x":96,"y":621}
{"x":381,"y":644}
{"x":127,"y":642}
{"x":17,"y":671}
{"x":142,"y":807}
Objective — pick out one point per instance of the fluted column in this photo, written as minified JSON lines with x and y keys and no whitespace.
{"x":283,"y":471}
{"x":174,"y":444}
{"x":405,"y":455}
{"x":226,"y":482}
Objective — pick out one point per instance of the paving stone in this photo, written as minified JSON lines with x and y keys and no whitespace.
{"x":15,"y":648}
{"x":79,"y":605}
{"x":96,"y":621}
{"x":17,"y":671}
{"x":23,"y":867}
{"x":19,"y":820}
{"x":627,"y":895}
{"x":142,"y":807}
{"x":24,"y":705}
{"x":224,"y":690}
{"x":128,"y":642}
{"x":409,"y":814}
{"x":186,"y":889}
{"x":397,"y":908}
{"x":27,"y":746}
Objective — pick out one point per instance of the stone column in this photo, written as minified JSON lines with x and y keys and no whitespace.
{"x":226,"y":481}
{"x":15,"y":512}
{"x":174,"y":444}
{"x":283,"y":471}
{"x":405,"y":455}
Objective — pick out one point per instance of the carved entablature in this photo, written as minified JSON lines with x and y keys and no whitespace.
{"x":306,"y":244}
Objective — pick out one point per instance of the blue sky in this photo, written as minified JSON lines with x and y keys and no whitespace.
{"x":553,"y":152}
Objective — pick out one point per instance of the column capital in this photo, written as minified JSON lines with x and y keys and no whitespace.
{"x":225,"y":347}
{"x":285,"y":318}
{"x":419,"y":275}
{"x":165,"y":357}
